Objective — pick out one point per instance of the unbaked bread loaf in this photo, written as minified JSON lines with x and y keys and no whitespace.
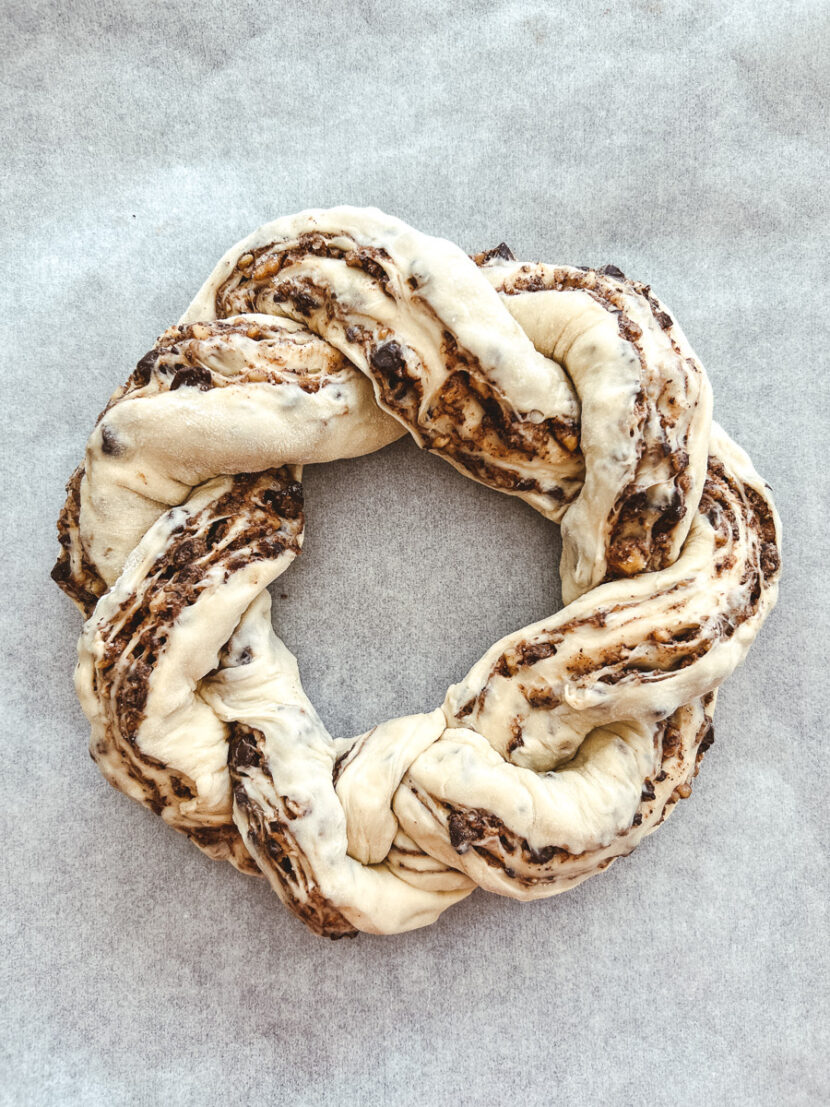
{"x":328,"y":334}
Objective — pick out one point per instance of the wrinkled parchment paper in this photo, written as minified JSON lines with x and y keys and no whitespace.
{"x":686,"y":143}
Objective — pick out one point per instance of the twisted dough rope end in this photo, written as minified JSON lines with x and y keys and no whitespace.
{"x":329,"y":334}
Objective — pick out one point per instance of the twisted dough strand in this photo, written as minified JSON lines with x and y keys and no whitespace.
{"x":328,"y":334}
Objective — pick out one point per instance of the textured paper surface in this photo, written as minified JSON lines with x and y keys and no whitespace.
{"x":686,"y":143}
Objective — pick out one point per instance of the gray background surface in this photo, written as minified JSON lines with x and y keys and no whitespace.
{"x":687,"y":143}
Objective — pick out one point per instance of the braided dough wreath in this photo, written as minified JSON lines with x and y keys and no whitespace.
{"x":326,"y":335}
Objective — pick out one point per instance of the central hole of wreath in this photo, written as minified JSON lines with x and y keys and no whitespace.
{"x":409,"y":572}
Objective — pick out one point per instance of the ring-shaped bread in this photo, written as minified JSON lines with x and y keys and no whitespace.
{"x":329,"y":334}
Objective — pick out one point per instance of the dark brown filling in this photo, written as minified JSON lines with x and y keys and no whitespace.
{"x":722,"y":502}
{"x":641,"y":533}
{"x":501,"y":848}
{"x":266,"y":501}
{"x":271,"y":506}
{"x":469,"y":421}
{"x":240,"y":291}
{"x":172,"y":364}
{"x":83,"y":584}
{"x":269,"y":834}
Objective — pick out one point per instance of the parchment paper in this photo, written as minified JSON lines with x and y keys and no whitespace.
{"x":686,"y":143}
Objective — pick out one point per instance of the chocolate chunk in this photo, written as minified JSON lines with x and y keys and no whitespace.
{"x":389,"y":359}
{"x":216,"y":532}
{"x":770,"y":561}
{"x":538,"y":651}
{"x":304,"y":303}
{"x":109,"y":442}
{"x":543,"y":855}
{"x":142,"y":372}
{"x":612,"y":271}
{"x":679,"y":464}
{"x":707,"y":739}
{"x":245,"y":751}
{"x":501,"y":252}
{"x":460,"y":833}
{"x":180,"y":789}
{"x":196,"y":377}
{"x":516,"y":742}
{"x":541,"y":698}
{"x":286,"y":502}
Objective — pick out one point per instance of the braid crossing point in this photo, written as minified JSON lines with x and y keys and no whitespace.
{"x":329,"y":334}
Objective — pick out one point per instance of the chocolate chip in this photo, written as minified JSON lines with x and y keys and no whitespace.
{"x":388,"y":359}
{"x":612,"y":271}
